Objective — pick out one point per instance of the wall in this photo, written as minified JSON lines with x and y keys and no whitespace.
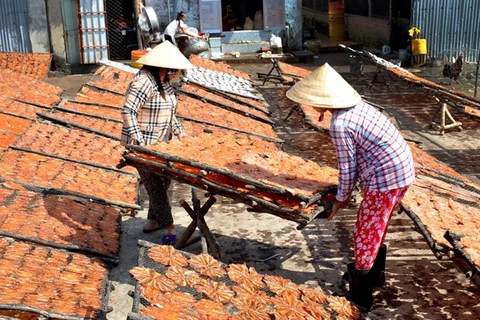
{"x":58,"y":44}
{"x":293,"y":18}
{"x":458,"y":32}
{"x":367,"y":31}
{"x":165,"y":16}
{"x":38,"y":26}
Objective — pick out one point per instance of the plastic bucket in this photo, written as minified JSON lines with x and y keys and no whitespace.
{"x":419,"y":47}
{"x":137,"y":54}
{"x":336,"y":21}
{"x":402,"y":55}
{"x":356,"y":64}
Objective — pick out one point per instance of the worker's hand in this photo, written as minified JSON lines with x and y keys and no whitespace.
{"x":182,"y":135}
{"x":337,"y":206}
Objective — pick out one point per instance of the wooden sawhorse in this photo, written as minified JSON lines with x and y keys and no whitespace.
{"x":444,"y":113}
{"x":197,"y":213}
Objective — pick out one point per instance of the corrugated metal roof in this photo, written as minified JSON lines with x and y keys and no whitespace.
{"x":451,"y":27}
{"x":14,"y":34}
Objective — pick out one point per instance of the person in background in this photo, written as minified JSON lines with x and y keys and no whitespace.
{"x":369,"y":150}
{"x":179,"y":26}
{"x":229,"y":20}
{"x":149,"y":118}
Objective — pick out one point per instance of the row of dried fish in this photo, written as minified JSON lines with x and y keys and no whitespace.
{"x":35,"y":65}
{"x":50,"y":280}
{"x":195,"y":109}
{"x":24,"y":110}
{"x":24,"y":88}
{"x":65,"y":220}
{"x":217,"y":66}
{"x":257,"y":110}
{"x":72,"y":144}
{"x":13,"y":124}
{"x":92,"y":95}
{"x":220,"y":81}
{"x":235,"y":291}
{"x":76,"y":178}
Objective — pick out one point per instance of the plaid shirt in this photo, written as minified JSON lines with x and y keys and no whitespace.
{"x":369,"y":149}
{"x":147,"y":115}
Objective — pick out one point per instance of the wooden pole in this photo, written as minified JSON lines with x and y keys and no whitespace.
{"x":476,"y":73}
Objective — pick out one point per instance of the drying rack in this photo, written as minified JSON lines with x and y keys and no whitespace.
{"x":461,"y":101}
{"x":447,"y":242}
{"x":261,"y":198}
{"x":276,"y":73}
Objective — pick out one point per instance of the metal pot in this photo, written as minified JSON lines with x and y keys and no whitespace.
{"x":152,"y":19}
{"x":205,"y":54}
{"x":196,"y":47}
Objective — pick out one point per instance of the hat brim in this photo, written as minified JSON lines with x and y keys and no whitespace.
{"x":166,"y":55}
{"x":324,"y":88}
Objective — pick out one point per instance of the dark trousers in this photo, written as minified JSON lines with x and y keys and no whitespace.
{"x":159,"y":208}
{"x":168,"y":38}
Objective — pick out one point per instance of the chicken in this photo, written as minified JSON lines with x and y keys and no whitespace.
{"x":453,"y":71}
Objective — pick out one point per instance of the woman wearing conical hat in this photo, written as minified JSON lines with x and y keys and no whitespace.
{"x":369,"y":150}
{"x":149,"y":117}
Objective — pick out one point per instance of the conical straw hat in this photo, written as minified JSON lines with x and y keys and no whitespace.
{"x":324,"y":88}
{"x":166,"y":55}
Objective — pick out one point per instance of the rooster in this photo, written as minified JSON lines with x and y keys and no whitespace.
{"x":453,"y":71}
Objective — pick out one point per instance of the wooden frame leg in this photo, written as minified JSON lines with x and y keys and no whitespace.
{"x":197,"y":215}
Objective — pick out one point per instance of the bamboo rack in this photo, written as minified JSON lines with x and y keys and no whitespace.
{"x":429,"y":86}
{"x":437,"y":249}
{"x":227,"y":107}
{"x":232,"y":129}
{"x":56,"y":191}
{"x":229,"y":95}
{"x":472,"y":271}
{"x":257,"y":195}
{"x":71,"y":124}
{"x":112,"y":106}
{"x":95,"y":165}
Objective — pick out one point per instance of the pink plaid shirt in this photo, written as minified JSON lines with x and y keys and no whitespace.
{"x":369,"y":149}
{"x":147,"y":115}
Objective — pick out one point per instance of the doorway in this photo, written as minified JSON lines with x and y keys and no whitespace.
{"x":122,"y":34}
{"x":242,"y":15}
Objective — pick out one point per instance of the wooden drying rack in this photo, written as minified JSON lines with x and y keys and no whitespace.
{"x":276,"y":73}
{"x":443,"y":113}
{"x":197,"y":213}
{"x":198,"y":175}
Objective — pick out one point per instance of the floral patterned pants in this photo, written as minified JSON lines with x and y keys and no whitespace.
{"x":372,"y":223}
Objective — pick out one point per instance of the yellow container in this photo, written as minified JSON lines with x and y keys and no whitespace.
{"x":419,"y":47}
{"x":313,"y":46}
{"x":336,"y":21}
{"x":137,"y":54}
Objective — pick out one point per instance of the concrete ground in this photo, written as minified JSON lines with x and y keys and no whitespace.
{"x":418,"y":285}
